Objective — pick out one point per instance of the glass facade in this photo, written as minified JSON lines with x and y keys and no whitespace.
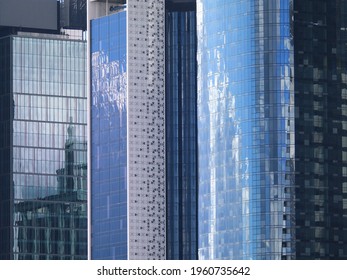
{"x":109,"y":137}
{"x":246,"y":129}
{"x":181,"y":132}
{"x":46,"y":175}
{"x":321,"y":129}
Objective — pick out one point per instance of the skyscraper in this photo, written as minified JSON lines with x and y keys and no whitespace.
{"x":43,"y":153}
{"x":181,"y":130}
{"x":320,"y":129}
{"x":271,"y":122}
{"x":143,"y":130}
{"x":128,"y":209}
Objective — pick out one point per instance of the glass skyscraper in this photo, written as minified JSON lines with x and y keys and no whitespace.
{"x":245,"y":123}
{"x":43,"y":170}
{"x":271,"y":123}
{"x":320,"y":71}
{"x":109,"y":135}
{"x":181,"y":130}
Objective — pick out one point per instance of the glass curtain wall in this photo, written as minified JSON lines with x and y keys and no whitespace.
{"x":49,"y":151}
{"x":246,"y":125}
{"x":109,"y":137}
{"x":181,"y":132}
{"x":321,"y":129}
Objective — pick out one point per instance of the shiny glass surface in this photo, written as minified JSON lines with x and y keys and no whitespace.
{"x":181,"y":133}
{"x":245,"y":129}
{"x":48,"y":152}
{"x":109,"y":137}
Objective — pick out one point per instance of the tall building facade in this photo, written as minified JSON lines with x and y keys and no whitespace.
{"x":181,"y":130}
{"x":320,"y":129}
{"x":43,"y":162}
{"x":143,"y":172}
{"x":271,"y":122}
{"x":128,"y":208}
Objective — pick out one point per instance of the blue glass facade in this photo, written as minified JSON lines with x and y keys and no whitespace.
{"x":181,"y":132}
{"x":109,"y":137}
{"x":245,"y":124}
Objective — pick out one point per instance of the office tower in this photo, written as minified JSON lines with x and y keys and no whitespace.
{"x":128,"y":208}
{"x":181,"y":130}
{"x":245,"y":116}
{"x":320,"y":129}
{"x":271,"y":122}
{"x":43,"y":153}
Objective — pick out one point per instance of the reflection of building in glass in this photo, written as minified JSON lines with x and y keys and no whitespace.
{"x":56,"y":224}
{"x":109,"y":139}
{"x":72,"y":178}
{"x":42,"y":145}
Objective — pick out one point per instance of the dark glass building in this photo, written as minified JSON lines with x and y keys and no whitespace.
{"x":181,"y":130}
{"x":271,"y":122}
{"x":320,"y":71}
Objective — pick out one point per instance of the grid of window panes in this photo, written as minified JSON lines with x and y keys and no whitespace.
{"x":245,"y":125}
{"x":109,"y":138}
{"x":181,"y":134}
{"x":49,"y":149}
{"x":321,"y":129}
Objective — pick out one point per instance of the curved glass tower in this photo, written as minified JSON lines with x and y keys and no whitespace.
{"x":246,"y":129}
